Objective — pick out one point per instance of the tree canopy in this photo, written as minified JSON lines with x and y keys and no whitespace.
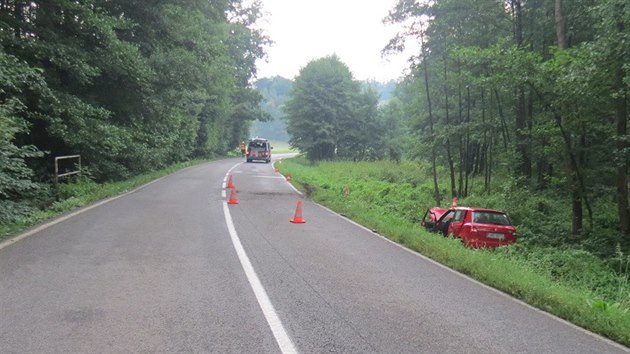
{"x":537,"y":89}
{"x":128,"y":85}
{"x":275,"y":91}
{"x":328,"y":114}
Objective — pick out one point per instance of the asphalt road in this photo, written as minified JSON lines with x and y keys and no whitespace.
{"x":172,"y":268}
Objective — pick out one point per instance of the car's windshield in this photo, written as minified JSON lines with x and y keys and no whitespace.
{"x":486,"y":217}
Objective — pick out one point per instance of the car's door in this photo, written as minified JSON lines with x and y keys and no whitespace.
{"x":443,"y":224}
{"x":458,"y":221}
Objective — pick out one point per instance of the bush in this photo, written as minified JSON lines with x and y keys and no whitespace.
{"x":17,"y":190}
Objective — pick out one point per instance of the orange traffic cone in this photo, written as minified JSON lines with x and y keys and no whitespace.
{"x":233,"y":199}
{"x":230,"y":184}
{"x":298,"y":219}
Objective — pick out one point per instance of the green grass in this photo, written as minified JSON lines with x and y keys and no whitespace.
{"x":390,"y":198}
{"x":82,"y":192}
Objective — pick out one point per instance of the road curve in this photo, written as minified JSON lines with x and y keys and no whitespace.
{"x":157,"y":270}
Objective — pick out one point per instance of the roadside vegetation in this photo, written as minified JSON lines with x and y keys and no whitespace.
{"x":568,"y":281}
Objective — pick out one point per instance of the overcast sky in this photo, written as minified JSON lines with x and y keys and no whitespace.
{"x":304,"y":30}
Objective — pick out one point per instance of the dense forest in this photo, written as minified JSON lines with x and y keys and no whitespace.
{"x":539,"y":88}
{"x":535,"y":89}
{"x":131,"y":86}
{"x":504,"y":98}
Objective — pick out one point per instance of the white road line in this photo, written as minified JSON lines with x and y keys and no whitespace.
{"x":282,"y":338}
{"x":295,"y":189}
{"x":289,"y":183}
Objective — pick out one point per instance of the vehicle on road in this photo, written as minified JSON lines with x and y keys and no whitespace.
{"x":476,"y":227}
{"x":258,"y":149}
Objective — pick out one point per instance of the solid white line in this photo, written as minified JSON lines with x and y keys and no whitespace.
{"x":295,"y":189}
{"x":289,"y":183}
{"x":282,"y":338}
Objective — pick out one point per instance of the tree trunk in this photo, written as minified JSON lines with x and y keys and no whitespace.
{"x":622,"y":130}
{"x":470,"y":155}
{"x":560,"y":25}
{"x":522,"y":146}
{"x":522,"y":139}
{"x":545,"y":169}
{"x":573,"y":160}
{"x":462,"y":151}
{"x":18,"y":14}
{"x":436,"y":189}
{"x":576,"y":196}
{"x":505,"y":133}
{"x":449,"y":155}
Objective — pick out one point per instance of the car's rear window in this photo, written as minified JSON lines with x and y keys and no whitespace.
{"x":486,"y":217}
{"x":257,"y":144}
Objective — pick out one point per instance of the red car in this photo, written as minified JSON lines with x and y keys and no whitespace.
{"x":477,"y":227}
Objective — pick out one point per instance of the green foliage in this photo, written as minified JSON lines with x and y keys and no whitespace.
{"x":131,"y":88}
{"x":496,"y":91}
{"x":321,"y":101}
{"x":394,"y":137}
{"x":17,"y":190}
{"x":19,"y":194}
{"x":328,"y":115}
{"x":376,"y":133}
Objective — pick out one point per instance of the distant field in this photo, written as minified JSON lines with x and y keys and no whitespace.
{"x":280,"y":147}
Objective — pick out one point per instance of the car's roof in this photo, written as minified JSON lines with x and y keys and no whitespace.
{"x":478,"y":209}
{"x":443,"y":210}
{"x":437,"y":209}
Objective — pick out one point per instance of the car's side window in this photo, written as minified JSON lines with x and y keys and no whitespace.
{"x":459,"y":215}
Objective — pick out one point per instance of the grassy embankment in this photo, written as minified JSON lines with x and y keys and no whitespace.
{"x":570,"y":283}
{"x":81,"y":192}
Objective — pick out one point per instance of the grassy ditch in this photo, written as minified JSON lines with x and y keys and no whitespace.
{"x":80,"y":192}
{"x":571,"y":283}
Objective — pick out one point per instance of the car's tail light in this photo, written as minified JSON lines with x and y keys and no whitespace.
{"x":266,"y":153}
{"x":248,"y":152}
